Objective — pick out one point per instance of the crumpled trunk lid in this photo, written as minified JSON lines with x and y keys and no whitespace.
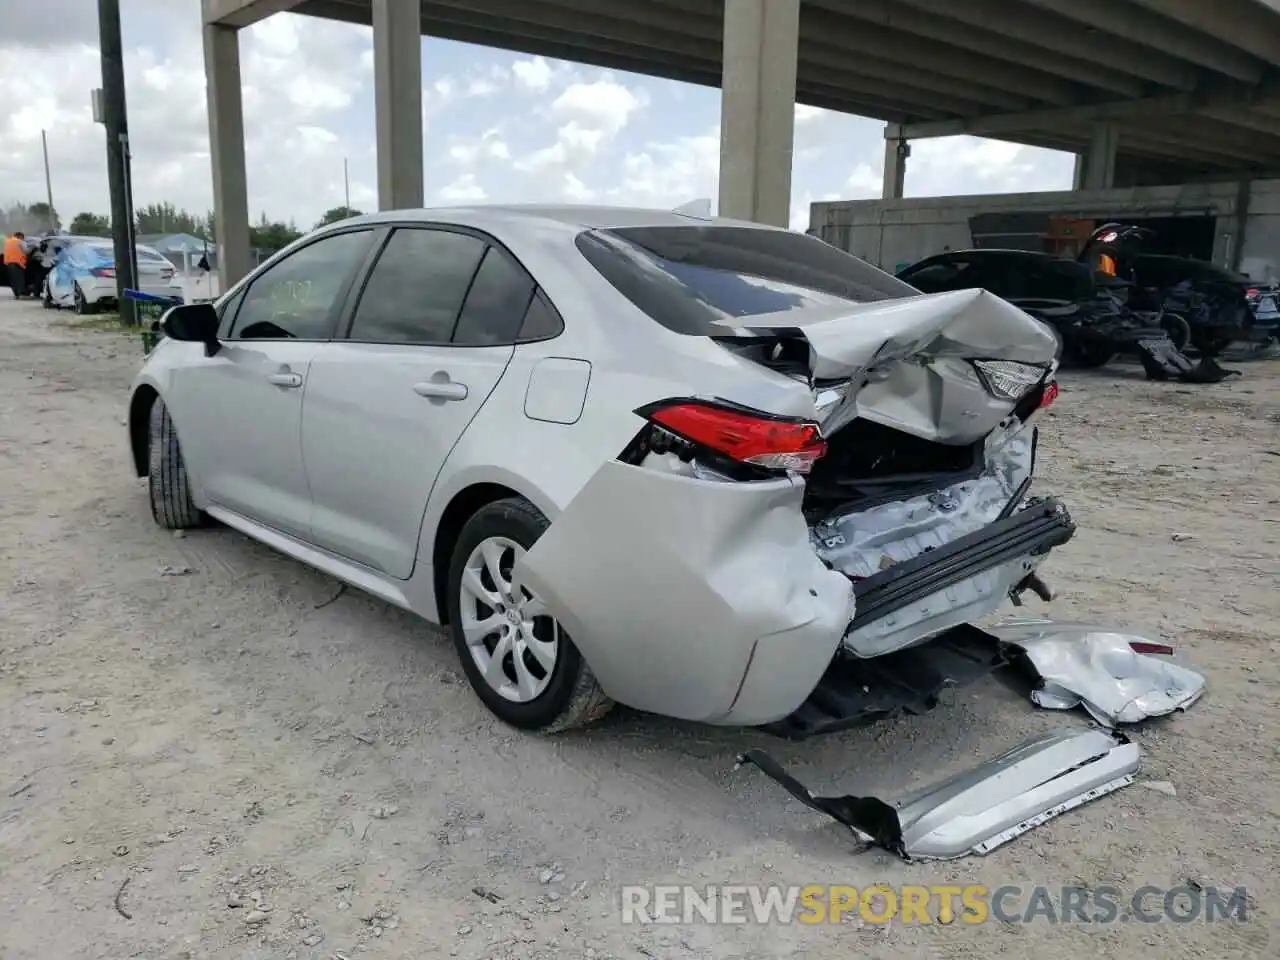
{"x":908,"y":363}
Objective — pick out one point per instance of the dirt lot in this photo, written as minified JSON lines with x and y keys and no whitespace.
{"x":189,"y":715}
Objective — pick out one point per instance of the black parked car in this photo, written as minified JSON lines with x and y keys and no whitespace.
{"x":1090,"y":313}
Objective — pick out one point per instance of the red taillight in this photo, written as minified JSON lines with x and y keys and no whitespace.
{"x":1251,"y":293}
{"x":1049,"y":395}
{"x":103,"y":271}
{"x":1150,"y":646}
{"x":744,"y":436}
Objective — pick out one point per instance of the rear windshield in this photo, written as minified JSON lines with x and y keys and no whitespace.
{"x":689,"y":277}
{"x":104,"y":252}
{"x":149,"y":255}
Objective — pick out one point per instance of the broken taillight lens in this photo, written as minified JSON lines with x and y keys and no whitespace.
{"x":1049,"y":395}
{"x":747,"y":436}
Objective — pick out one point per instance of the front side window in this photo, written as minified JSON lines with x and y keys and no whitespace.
{"x":298,"y":298}
{"x":689,"y":278}
{"x":415,"y":291}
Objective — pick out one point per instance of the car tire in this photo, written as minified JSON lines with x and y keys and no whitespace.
{"x":569,"y":696}
{"x":167,"y":481}
{"x":1178,"y":329}
{"x":83,"y":307}
{"x":1091,"y":356}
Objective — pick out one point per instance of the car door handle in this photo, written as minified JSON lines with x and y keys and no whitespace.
{"x":285,"y":379}
{"x":441,"y":390}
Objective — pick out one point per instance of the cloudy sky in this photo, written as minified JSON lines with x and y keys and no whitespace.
{"x":499,"y":126}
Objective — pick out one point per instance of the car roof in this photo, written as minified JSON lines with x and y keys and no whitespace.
{"x":576,"y":217}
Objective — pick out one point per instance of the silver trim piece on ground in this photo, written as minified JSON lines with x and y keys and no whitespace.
{"x":980,"y":809}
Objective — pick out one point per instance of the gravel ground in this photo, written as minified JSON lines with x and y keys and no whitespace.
{"x":202,"y":756}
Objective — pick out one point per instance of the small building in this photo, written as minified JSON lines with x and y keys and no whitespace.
{"x":1235,"y":224}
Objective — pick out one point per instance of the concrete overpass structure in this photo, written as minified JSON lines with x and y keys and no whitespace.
{"x":1144,"y":92}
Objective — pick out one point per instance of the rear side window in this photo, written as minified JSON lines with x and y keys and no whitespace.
{"x":690,"y":277}
{"x":416,"y":289}
{"x":496,"y":302}
{"x":936,"y":277}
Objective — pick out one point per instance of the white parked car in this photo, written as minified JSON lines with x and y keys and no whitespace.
{"x":705,"y":468}
{"x":84,"y":276}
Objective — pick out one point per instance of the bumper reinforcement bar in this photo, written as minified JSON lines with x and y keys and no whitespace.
{"x":1039,"y":527}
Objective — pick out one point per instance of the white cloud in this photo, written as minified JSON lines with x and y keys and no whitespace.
{"x":603,"y":105}
{"x":463,"y":190}
{"x":534,"y":75}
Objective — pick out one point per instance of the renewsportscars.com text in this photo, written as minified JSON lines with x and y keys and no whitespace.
{"x":918,"y":904}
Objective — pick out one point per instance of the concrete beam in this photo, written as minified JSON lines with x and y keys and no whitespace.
{"x":1068,"y":37}
{"x":226,"y":151}
{"x":244,"y":13}
{"x":1174,"y":38}
{"x":397,"y":97}
{"x":757,"y":111}
{"x":1176,"y":105}
{"x":1033,"y":62}
{"x":666,"y":35}
{"x":1251,"y":26}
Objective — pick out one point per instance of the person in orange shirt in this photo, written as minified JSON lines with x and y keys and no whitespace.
{"x":15,"y":263}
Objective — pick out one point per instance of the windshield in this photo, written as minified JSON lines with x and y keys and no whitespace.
{"x":102,"y":253}
{"x":688,"y":278}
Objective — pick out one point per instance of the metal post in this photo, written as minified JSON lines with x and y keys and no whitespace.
{"x":346,"y":184}
{"x":115,"y":119}
{"x":48,"y":184}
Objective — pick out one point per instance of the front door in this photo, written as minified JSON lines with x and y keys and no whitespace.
{"x":242,"y":408}
{"x":385,"y":407}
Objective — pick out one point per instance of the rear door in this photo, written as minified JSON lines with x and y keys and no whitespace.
{"x":431,"y":334}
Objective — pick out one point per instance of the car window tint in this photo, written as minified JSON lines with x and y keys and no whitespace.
{"x":541,"y":320}
{"x":496,"y":303}
{"x":936,"y":277}
{"x":295,"y":298}
{"x":227,"y":312}
{"x":416,"y":288}
{"x":688,"y":278}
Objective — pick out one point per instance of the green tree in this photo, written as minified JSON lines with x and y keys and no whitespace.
{"x":90,"y":225}
{"x":270,"y":236}
{"x":46,"y":216}
{"x":167,"y":218}
{"x":338,"y":213}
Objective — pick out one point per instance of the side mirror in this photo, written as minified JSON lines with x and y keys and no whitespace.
{"x":192,"y":323}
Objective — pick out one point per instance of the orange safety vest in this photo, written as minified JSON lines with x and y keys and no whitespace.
{"x":14,"y":252}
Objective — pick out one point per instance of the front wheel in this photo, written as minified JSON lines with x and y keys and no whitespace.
{"x":167,"y":482}
{"x":518,"y":659}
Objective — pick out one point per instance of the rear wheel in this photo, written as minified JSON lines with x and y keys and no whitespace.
{"x":1178,"y":329}
{"x":83,"y":307}
{"x":167,"y":483}
{"x":518,"y":659}
{"x":1090,"y":356}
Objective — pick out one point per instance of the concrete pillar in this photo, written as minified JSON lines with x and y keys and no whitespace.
{"x":1082,"y":164}
{"x":757,"y":109}
{"x":226,"y":150}
{"x":397,"y":96}
{"x":896,"y":151}
{"x":1100,"y":163}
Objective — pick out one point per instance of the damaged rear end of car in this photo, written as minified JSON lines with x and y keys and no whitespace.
{"x":816,"y":567}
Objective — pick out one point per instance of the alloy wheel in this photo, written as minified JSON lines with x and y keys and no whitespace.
{"x":512,"y":639}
